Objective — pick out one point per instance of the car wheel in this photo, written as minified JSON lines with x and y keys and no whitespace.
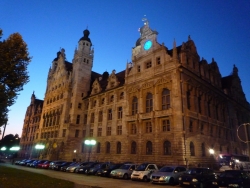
{"x":171,"y":181}
{"x":125,"y":176}
{"x":145,"y":179}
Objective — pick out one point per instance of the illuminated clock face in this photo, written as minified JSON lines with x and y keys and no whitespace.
{"x":147,"y":45}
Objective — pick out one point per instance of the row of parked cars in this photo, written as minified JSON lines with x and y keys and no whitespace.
{"x":194,"y":177}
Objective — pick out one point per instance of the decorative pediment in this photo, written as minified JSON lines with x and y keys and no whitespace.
{"x":133,"y":89}
{"x":147,"y":85}
{"x":163,"y":80}
{"x":112,"y":81}
{"x":96,"y":88}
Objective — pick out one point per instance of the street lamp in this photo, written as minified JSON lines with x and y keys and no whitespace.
{"x":39,"y":147}
{"x":74,"y":155}
{"x":89,"y":143}
{"x":211,"y":151}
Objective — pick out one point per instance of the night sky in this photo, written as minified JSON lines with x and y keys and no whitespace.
{"x":219,"y":29}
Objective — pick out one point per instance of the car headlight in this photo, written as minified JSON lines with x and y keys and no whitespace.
{"x":214,"y":183}
{"x":194,"y":180}
{"x":233,"y":185}
{"x":180,"y":178}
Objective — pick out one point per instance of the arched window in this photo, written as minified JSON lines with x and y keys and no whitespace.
{"x":203,"y":150}
{"x":149,"y":148}
{"x":149,"y":102}
{"x":98,"y":148}
{"x":118,"y":148}
{"x":107,"y":147}
{"x":133,"y":147}
{"x":167,"y":148}
{"x":192,"y":151}
{"x":122,"y":95}
{"x":134,"y":106}
{"x":165,"y":99}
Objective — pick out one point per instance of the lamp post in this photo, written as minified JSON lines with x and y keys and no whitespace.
{"x":211,"y":151}
{"x":74,"y":160}
{"x":39,"y":147}
{"x":89,"y":143}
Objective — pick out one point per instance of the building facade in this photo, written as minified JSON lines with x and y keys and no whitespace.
{"x":166,"y":107}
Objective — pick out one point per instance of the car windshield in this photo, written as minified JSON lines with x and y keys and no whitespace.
{"x":125,"y":167}
{"x":141,"y":167}
{"x":194,"y":171}
{"x":166,"y":169}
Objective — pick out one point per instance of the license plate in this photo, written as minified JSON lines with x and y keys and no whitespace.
{"x":185,"y":183}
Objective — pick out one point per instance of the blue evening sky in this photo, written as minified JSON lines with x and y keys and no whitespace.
{"x":219,"y":28}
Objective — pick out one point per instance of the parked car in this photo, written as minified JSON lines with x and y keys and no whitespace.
{"x":143,"y":171}
{"x":54,"y":163}
{"x":73,"y":167}
{"x":85,"y":168}
{"x":59,"y":165}
{"x":106,"y":171}
{"x":44,"y":165}
{"x":20,"y":161}
{"x":197,"y":177}
{"x":232,"y":178}
{"x":167,"y":175}
{"x":123,"y":171}
{"x":36,"y":163}
{"x":23,"y":163}
{"x":94,"y":169}
{"x":63,"y":168}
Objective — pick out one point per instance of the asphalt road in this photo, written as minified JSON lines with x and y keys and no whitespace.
{"x":83,"y":181}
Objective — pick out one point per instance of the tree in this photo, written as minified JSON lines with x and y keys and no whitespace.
{"x":14,"y":60}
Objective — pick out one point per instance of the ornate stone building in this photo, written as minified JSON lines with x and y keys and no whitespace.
{"x":167,"y":107}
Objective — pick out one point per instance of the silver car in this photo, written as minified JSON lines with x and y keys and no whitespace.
{"x":124,"y":171}
{"x":167,"y":175}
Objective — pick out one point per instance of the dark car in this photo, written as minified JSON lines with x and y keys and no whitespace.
{"x":24,"y":163}
{"x":85,"y":168}
{"x":106,"y":171}
{"x":93,"y":170}
{"x":36,"y":163}
{"x":59,"y":165}
{"x":232,"y":178}
{"x":197,"y":177}
{"x":64,"y":167}
{"x":54,"y":163}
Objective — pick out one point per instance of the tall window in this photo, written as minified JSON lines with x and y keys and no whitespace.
{"x":133,"y":128}
{"x":63,"y":133}
{"x":149,"y":102}
{"x":165,"y":99}
{"x":138,"y":68}
{"x":192,"y":149}
{"x":98,"y":148}
{"x":108,"y":131}
{"x":76,"y":133}
{"x":165,"y":125}
{"x":85,"y":118}
{"x":112,"y":98}
{"x":122,"y":95}
{"x":149,"y":148}
{"x":148,"y":127}
{"x":100,"y":116}
{"x":188,"y":100}
{"x":99,"y":132}
{"x":107,"y":147}
{"x":79,"y":105}
{"x":118,"y":148}
{"x":167,"y":148}
{"x":190,"y":126}
{"x":119,"y":130}
{"x":208,"y":109}
{"x":158,"y":60}
{"x":199,"y":104}
{"x":120,"y":112}
{"x":109,"y":114}
{"x":203,"y":150}
{"x":92,"y":119}
{"x":77,"y":119}
{"x":133,"y":147}
{"x":134,"y":106}
{"x":91,"y":132}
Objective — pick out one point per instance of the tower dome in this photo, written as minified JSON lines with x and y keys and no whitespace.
{"x":86,"y":36}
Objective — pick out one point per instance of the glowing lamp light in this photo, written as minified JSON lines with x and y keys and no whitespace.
{"x":15,"y":148}
{"x":90,"y":142}
{"x":211,"y":151}
{"x":237,"y":160}
{"x":3,"y":148}
{"x":39,"y":146}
